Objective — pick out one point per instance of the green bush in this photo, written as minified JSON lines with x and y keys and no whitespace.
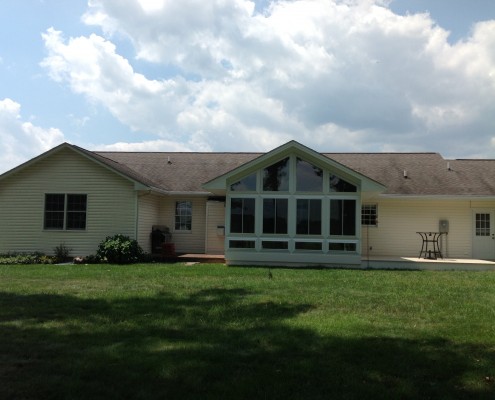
{"x":120,"y":249}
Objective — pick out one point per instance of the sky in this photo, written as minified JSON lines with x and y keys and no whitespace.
{"x":238,"y":75}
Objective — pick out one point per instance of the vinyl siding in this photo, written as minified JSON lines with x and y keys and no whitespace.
{"x":185,"y":242}
{"x":148,"y":215}
{"x":110,"y":208}
{"x":399,"y":220}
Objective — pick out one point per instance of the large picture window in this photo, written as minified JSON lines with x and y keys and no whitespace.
{"x":275,"y":214}
{"x":242,"y":212}
{"x":308,"y":217}
{"x":343,"y":217}
{"x":183,"y":216}
{"x":65,"y":211}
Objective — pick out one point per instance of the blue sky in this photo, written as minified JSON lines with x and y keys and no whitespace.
{"x":336,"y":75}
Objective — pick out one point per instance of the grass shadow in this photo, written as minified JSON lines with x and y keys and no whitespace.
{"x":215,"y":343}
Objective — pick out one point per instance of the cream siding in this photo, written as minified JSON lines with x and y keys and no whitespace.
{"x":148,"y":215}
{"x":215,"y":237}
{"x":400,"y":219}
{"x":185,"y":242}
{"x":111,"y":204}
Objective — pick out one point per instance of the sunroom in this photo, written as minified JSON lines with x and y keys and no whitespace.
{"x":293,"y":207}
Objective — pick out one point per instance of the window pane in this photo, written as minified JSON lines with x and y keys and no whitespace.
{"x":248,"y":217}
{"x":343,"y":217}
{"x":369,"y":214}
{"x":308,"y":217}
{"x":274,"y":245}
{"x":308,"y":246}
{"x":241,"y":244}
{"x":247,"y":184}
{"x":275,"y":215}
{"x":183,"y":215}
{"x":236,"y":215}
{"x":342,"y":246}
{"x":54,"y":211}
{"x":308,"y":177}
{"x":76,"y":211}
{"x":242,"y":215}
{"x":276,"y":177}
{"x":337,"y":184}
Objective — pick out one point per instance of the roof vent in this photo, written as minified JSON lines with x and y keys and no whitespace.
{"x":405,"y":174}
{"x":448,"y":167}
{"x":168,"y":160}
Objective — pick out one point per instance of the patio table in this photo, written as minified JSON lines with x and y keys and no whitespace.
{"x":429,"y":246}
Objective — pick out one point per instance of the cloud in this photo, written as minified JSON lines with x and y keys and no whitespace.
{"x":21,"y":140}
{"x":338,"y":75}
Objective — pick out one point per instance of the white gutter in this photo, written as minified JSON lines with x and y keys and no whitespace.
{"x":436,"y":197}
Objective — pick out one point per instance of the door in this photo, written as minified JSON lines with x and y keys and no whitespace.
{"x":483,"y":234}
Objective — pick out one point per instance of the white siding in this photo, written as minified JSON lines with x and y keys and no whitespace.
{"x":148,"y":215}
{"x":215,"y":242}
{"x":185,"y":242}
{"x":110,"y":210}
{"x":400,"y":219}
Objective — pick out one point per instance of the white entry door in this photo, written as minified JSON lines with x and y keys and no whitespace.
{"x":483,"y":234}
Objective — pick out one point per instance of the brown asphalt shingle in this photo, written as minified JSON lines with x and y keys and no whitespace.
{"x":427,"y":173}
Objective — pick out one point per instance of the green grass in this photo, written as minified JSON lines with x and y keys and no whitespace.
{"x":208,"y":331}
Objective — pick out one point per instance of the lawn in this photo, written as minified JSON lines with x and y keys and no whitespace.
{"x":171,"y":331}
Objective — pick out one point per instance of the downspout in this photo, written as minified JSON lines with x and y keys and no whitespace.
{"x":206,"y":225}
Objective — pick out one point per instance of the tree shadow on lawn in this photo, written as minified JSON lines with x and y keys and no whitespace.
{"x":215,"y":344}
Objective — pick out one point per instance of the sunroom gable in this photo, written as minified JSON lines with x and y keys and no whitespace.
{"x":239,"y":175}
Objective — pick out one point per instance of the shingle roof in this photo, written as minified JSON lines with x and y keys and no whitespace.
{"x":427,"y":173}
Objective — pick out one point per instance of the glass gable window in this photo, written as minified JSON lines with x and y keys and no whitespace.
{"x":242,"y":215}
{"x":275,"y":215}
{"x":308,"y":217}
{"x":308,"y":177}
{"x":276,"y":177}
{"x":65,"y":211}
{"x":247,"y":184}
{"x":337,"y":184}
{"x":343,"y":217}
{"x":183,"y":216}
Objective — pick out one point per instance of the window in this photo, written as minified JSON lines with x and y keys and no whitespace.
{"x":276,"y":177}
{"x":347,"y":247}
{"x":274,"y":245}
{"x":183,"y":216}
{"x":337,"y":184}
{"x":275,"y":213}
{"x":65,"y":211}
{"x":242,"y":215}
{"x":241,"y":244}
{"x":247,"y":184}
{"x":482,"y":224}
{"x":308,"y":217}
{"x":369,"y":214}
{"x":343,"y":217}
{"x":308,"y":177}
{"x":308,"y":246}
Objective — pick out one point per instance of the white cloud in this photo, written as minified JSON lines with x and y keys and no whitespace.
{"x":337,"y":75}
{"x":21,"y":140}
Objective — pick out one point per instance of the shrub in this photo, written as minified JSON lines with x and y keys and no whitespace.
{"x":120,"y":249}
{"x":62,"y":253}
{"x":25,"y":258}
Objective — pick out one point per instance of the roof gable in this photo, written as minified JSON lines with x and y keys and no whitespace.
{"x":219,"y":184}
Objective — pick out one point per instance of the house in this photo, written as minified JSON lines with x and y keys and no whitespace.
{"x":291,"y":206}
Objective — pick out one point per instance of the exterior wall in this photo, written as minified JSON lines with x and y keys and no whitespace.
{"x":111,"y":206}
{"x":215,"y":240}
{"x":400,"y":219}
{"x":185,"y":242}
{"x":148,"y":215}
